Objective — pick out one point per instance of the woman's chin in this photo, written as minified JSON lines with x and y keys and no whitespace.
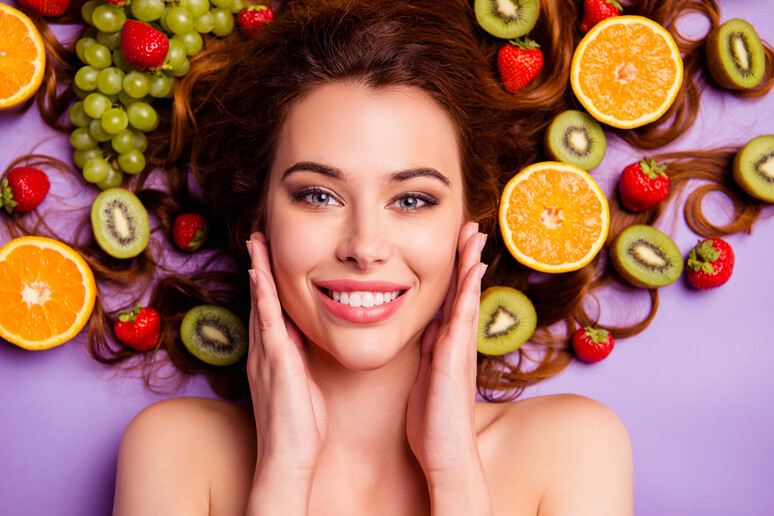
{"x":369,"y":354}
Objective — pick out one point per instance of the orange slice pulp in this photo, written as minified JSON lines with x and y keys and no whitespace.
{"x":554,"y":217}
{"x":47,"y":292}
{"x":627,"y":71}
{"x":22,"y":57}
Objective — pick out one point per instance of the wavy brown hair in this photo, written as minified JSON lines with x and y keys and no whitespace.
{"x":244,"y":90}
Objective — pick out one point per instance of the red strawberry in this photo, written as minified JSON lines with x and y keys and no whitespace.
{"x":138,"y":329}
{"x":592,"y":344}
{"x":519,"y":62}
{"x":643,"y":185}
{"x":47,"y":8}
{"x":189,"y":231}
{"x":142,"y":46}
{"x":594,"y":11}
{"x":710,"y":263}
{"x":24,"y":188}
{"x":252,"y":17}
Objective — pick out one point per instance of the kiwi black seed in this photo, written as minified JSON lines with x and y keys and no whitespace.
{"x":754,"y":168}
{"x":507,"y":19}
{"x":120,"y":223}
{"x":507,"y":319}
{"x":646,"y":257}
{"x":576,"y":138}
{"x":214,"y":335}
{"x":735,"y":55}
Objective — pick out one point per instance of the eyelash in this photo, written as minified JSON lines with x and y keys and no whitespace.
{"x":429,"y":200}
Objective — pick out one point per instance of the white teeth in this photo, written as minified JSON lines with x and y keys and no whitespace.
{"x":336,"y":296}
{"x":344,"y":298}
{"x":378,"y":299}
{"x":368,"y":300}
{"x":364,"y":299}
{"x":354,"y":299}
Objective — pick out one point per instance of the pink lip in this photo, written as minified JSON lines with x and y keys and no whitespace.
{"x":361,"y":315}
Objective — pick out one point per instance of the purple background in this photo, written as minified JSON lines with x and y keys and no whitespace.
{"x":694,"y":389}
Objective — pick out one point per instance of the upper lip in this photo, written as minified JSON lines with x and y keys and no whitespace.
{"x":348,"y":285}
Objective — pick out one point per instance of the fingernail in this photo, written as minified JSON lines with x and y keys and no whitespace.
{"x":253,"y":277}
{"x":249,"y":248}
{"x":483,"y":270}
{"x":483,"y":242}
{"x":476,"y":227}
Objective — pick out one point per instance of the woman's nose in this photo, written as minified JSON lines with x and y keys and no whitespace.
{"x":364,"y":240}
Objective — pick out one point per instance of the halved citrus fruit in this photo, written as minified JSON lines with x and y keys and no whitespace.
{"x":554,"y":217}
{"x":22,"y":57}
{"x":47,"y":292}
{"x":627,"y":71}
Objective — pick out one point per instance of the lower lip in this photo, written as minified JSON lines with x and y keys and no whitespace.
{"x":361,"y":315}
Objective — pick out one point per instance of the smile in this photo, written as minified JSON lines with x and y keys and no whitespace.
{"x":364,"y":299}
{"x":361,"y":302}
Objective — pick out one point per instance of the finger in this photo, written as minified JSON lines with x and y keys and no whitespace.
{"x":269,"y":321}
{"x":463,"y":326}
{"x":430,"y":336}
{"x":451,"y":293}
{"x":258,"y":248}
{"x":470,"y":255}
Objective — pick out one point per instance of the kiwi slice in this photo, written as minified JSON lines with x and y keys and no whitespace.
{"x":120,"y":223}
{"x":506,"y":320}
{"x":214,"y":335}
{"x":507,"y":19}
{"x":646,"y":257}
{"x":754,"y":168}
{"x":576,"y":138}
{"x":735,"y":55}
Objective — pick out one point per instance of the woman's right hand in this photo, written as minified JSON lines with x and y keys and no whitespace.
{"x":289,"y":407}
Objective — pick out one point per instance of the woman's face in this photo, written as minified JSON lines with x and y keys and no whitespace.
{"x":365,"y":202}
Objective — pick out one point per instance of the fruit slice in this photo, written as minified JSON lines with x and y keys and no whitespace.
{"x":48,"y":292}
{"x":754,"y":168}
{"x":120,"y":223}
{"x":507,"y":19}
{"x":646,"y":257}
{"x":214,"y":335}
{"x":626,"y":71}
{"x":22,"y":57}
{"x":506,"y":321}
{"x":554,"y":217}
{"x":735,"y":55}
{"x":576,"y":138}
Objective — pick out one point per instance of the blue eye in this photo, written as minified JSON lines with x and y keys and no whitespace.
{"x":414,"y":201}
{"x":315,"y":197}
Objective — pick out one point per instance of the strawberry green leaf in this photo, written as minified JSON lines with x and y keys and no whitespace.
{"x":596,"y":335}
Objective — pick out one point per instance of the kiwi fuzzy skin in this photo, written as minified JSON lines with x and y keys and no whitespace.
{"x":740,"y":177}
{"x":715,"y":62}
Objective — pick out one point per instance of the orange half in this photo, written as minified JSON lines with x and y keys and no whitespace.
{"x":554,"y":217}
{"x":627,"y":71}
{"x":47,"y":292}
{"x":22,"y":57}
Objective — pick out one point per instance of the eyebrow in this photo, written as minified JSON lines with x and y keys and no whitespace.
{"x":402,"y":175}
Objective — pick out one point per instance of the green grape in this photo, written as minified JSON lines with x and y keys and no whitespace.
{"x":82,"y":156}
{"x":163,"y":19}
{"x":142,"y":116}
{"x":81,"y":94}
{"x":160,"y":86}
{"x":113,"y":99}
{"x":136,"y":84}
{"x":110,"y":81}
{"x":87,"y":10}
{"x":175,"y":55}
{"x":179,"y":72}
{"x":118,"y":61}
{"x":97,"y":132}
{"x":132,"y":162}
{"x":81,"y":45}
{"x":171,"y":93}
{"x":225,"y":4}
{"x":98,"y":55}
{"x":86,"y":78}
{"x":81,"y":139}
{"x":95,"y":105}
{"x":140,"y":141}
{"x":237,"y":5}
{"x":108,"y":18}
{"x":113,"y":180}
{"x":192,"y":41}
{"x":123,"y":142}
{"x":125,"y":100}
{"x":96,"y":170}
{"x":78,"y":116}
{"x":112,"y":40}
{"x":204,"y":23}
{"x":223,"y":22}
{"x":179,"y":20}
{"x":147,"y":10}
{"x":114,"y":121}
{"x":196,"y":7}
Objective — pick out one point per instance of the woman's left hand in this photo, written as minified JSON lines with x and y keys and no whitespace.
{"x":441,"y":408}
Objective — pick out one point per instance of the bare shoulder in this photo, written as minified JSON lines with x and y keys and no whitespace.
{"x":173,"y":449}
{"x":577,"y":451}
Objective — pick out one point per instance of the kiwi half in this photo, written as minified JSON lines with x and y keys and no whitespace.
{"x":754,"y":168}
{"x":735,"y":55}
{"x":214,"y":335}
{"x":646,"y":257}
{"x":574,"y":137}
{"x":120,"y":223}
{"x":507,"y":319}
{"x":507,"y":19}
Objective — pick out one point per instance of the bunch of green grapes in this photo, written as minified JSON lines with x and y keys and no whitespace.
{"x":114,"y":111}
